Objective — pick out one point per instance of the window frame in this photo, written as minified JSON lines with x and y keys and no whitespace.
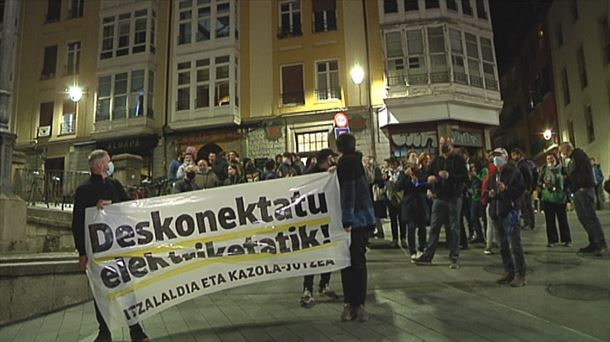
{"x":74,"y":54}
{"x":330,"y":93}
{"x":582,"y":67}
{"x":282,"y":97}
{"x":147,"y":101}
{"x":291,"y":31}
{"x":111,"y":32}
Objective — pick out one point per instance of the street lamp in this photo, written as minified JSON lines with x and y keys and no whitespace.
{"x":357,"y":74}
{"x":75,"y":92}
{"x":547,"y":134}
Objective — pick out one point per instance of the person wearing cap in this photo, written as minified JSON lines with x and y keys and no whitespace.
{"x":325,"y":159}
{"x":447,"y":174}
{"x":504,"y":191}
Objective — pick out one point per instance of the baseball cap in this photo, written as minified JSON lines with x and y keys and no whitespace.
{"x":501,"y":151}
{"x":325,"y":153}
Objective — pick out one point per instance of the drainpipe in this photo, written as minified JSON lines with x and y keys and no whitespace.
{"x":371,"y":116}
{"x":167,"y":84}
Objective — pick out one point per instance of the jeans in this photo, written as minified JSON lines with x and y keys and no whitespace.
{"x":527,"y":210}
{"x":446,"y":210}
{"x":396,"y":223}
{"x":476,"y":211}
{"x":584,"y":203}
{"x":421,"y":237}
{"x":490,"y":235}
{"x":509,"y":237}
{"x":353,"y":278}
{"x":308,"y":281}
{"x":557,"y":211}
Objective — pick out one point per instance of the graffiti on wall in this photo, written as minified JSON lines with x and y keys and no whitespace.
{"x":403,"y":143}
{"x":461,"y":138}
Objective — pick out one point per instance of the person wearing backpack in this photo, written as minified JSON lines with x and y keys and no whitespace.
{"x":554,"y":199}
{"x":447,"y":175}
{"x":528,"y":171}
{"x":393,"y":200}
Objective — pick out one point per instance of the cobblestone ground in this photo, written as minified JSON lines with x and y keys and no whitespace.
{"x":567,"y":299}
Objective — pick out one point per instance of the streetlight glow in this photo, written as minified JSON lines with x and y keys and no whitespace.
{"x":547,"y":134}
{"x":75,"y":93}
{"x":357,"y":74}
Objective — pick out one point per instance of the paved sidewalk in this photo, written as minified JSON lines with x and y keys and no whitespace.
{"x":567,"y":299}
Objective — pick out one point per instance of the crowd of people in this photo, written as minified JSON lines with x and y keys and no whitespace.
{"x":485,"y":201}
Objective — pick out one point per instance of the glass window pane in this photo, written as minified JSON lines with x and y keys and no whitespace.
{"x":394,"y":44}
{"x":137,"y":80}
{"x":120,"y":83}
{"x":222,"y":72}
{"x":104,"y":86}
{"x":203,"y":75}
{"x":184,"y":78}
{"x":203,"y":96}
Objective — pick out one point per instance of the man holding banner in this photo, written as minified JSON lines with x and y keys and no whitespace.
{"x":98,"y":191}
{"x":358,"y":218}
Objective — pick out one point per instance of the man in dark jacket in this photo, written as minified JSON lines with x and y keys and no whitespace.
{"x":582,"y":187}
{"x":505,"y":188}
{"x":448,"y":176}
{"x":324,"y":161}
{"x":187,"y":183}
{"x":98,"y":191}
{"x":269,"y":170}
{"x":525,"y":201}
{"x":359,"y":219}
{"x":219,"y":165}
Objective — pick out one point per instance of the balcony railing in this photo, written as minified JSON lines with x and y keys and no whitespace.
{"x":439,"y":77}
{"x":67,"y":128}
{"x":476,"y":81}
{"x":49,"y":187}
{"x":460,"y":78}
{"x":293,"y":98}
{"x":491,"y":84}
{"x":328,"y":94}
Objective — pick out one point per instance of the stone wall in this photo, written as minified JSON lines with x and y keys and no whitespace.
{"x":258,"y":146}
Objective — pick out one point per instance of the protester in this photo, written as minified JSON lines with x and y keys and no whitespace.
{"x":476,"y":207}
{"x":447,"y":175}
{"x":554,"y":199}
{"x":98,"y":191}
{"x":188,"y":160}
{"x":358,"y":219}
{"x":174,"y":166}
{"x":311,"y":162}
{"x":466,"y":204}
{"x":219,"y":166}
{"x":269,"y":170}
{"x":525,"y":202}
{"x":285,"y":168}
{"x":504,"y":190}
{"x":251,"y":173}
{"x":393,"y":200}
{"x":205,"y":178}
{"x":187,"y":183}
{"x":598,"y":176}
{"x":490,"y":229}
{"x":414,"y":207}
{"x":582,"y":186}
{"x":374,"y":176}
{"x":297,"y":164}
{"x":234,"y":177}
{"x":325,"y":159}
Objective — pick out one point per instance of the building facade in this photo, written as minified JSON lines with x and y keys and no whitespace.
{"x":580,"y":49}
{"x":441,"y":74}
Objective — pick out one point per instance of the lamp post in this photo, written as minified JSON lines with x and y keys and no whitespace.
{"x":75,"y":93}
{"x":357,"y":74}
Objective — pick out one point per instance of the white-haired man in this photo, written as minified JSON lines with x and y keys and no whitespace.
{"x":98,"y":191}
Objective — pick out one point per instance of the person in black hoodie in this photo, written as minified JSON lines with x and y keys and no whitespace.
{"x":358,"y":219}
{"x":98,"y":191}
{"x":447,"y":175}
{"x":505,"y":188}
{"x":414,"y":206}
{"x":582,"y":186}
{"x":324,"y":161}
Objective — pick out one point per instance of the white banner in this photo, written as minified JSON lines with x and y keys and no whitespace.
{"x":148,"y":255}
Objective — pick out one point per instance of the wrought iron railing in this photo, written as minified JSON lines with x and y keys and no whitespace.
{"x":48,"y":187}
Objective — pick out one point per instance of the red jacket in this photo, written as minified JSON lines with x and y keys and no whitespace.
{"x":492,"y":170}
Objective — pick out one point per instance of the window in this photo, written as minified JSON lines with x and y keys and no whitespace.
{"x":474,"y":62}
{"x":324,"y":13}
{"x":432,"y":4}
{"x":204,"y":17}
{"x":590,"y":124}
{"x":582,"y":68}
{"x":559,"y":36}
{"x":438,"y":57}
{"x":390,"y":6}
{"x":292,"y":85}
{"x":123,"y":95}
{"x":457,"y":57}
{"x":73,"y":62}
{"x":311,"y":141}
{"x":489,"y":67}
{"x":573,"y":10}
{"x":45,"y":118}
{"x":327,"y":84}
{"x":184,"y":22}
{"x":290,"y":18}
{"x":76,"y":8}
{"x":184,"y":86}
{"x":50,"y":61}
{"x":127,"y":33}
{"x":481,"y":12}
{"x":203,"y":83}
{"x":416,"y":65}
{"x":150,"y":109}
{"x":53,"y":10}
{"x":222,"y":81}
{"x":207,"y":81}
{"x":605,"y":40}
{"x":223,"y":28}
{"x":395,"y":58}
{"x":566,"y":86}
{"x":411,"y":5}
{"x":571,"y":135}
{"x":452,"y":5}
{"x":466,"y":8}
{"x":69,"y":116}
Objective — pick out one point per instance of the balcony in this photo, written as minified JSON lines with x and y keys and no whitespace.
{"x":293,"y":98}
{"x":328,"y":94}
{"x":67,"y":128}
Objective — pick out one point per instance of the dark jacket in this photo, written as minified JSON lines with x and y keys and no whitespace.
{"x":185,"y":185}
{"x":237,"y":179}
{"x":87,"y":195}
{"x":315,"y":169}
{"x":206,"y":180}
{"x":505,"y":202}
{"x":356,"y":203}
{"x":580,"y":174}
{"x":454,"y":185}
{"x":269,"y":174}
{"x":414,"y":205}
{"x":526,"y":172}
{"x":220,"y":169}
{"x":285,"y":169}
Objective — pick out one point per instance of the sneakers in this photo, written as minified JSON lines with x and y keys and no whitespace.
{"x":519,"y":281}
{"x":403,"y":244}
{"x":137,"y":334}
{"x":348,"y":313}
{"x":506,"y":279}
{"x":568,"y":244}
{"x":307,"y":299}
{"x":361,"y":314}
{"x":550,"y":245}
{"x":422,"y":260}
{"x":454,"y":265}
{"x":602,"y":252}
{"x":328,"y":292}
{"x":394,"y":244}
{"x":103,"y":336}
{"x":487,"y":252}
{"x":590,"y":248}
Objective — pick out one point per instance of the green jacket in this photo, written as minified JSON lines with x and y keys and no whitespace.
{"x":552,"y":182}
